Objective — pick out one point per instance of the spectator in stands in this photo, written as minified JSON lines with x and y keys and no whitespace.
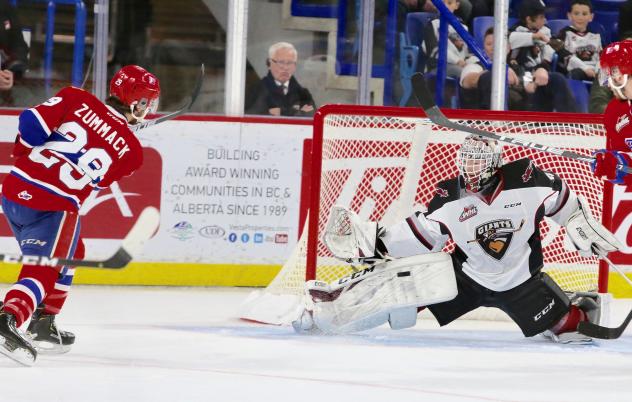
{"x":476,"y":81}
{"x":600,"y":93}
{"x":457,"y":49}
{"x":279,"y":93}
{"x":13,"y":51}
{"x":530,"y":58}
{"x":579,"y":51}
{"x":464,"y":11}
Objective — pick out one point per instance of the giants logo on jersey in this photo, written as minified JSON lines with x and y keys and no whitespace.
{"x":109,"y":213}
{"x":495,"y":236}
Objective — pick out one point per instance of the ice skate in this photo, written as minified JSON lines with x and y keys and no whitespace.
{"x":46,"y":337}
{"x":13,"y":344}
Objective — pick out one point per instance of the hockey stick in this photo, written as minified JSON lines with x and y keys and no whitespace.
{"x":184,"y":109}
{"x":426,"y":100}
{"x":143,"y":229}
{"x":599,"y":332}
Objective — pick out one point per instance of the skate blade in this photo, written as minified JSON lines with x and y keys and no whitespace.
{"x":48,"y":348}
{"x":19,"y":355}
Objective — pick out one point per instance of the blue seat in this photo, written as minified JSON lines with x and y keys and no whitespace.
{"x":415,"y":23}
{"x":610,"y":21}
{"x":408,"y":57}
{"x":607,"y":5}
{"x":556,"y":9}
{"x":482,"y":23}
{"x":557,"y":25}
{"x":581,"y":94}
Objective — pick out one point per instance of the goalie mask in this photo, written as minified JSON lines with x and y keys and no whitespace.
{"x":616,"y":66}
{"x":136,"y":88}
{"x":477,"y":160}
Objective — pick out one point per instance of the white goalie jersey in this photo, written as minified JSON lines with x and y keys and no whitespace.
{"x":497,"y":237}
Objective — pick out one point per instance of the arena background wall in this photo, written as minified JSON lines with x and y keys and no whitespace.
{"x":228,"y":190}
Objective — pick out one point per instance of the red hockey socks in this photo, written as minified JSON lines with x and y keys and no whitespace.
{"x":33,"y":284}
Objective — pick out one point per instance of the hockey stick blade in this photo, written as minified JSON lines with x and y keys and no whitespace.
{"x":599,"y":332}
{"x":182,"y":110}
{"x":426,"y":100}
{"x":143,"y":229}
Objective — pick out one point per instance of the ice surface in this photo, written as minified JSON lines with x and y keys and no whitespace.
{"x":186,"y":344}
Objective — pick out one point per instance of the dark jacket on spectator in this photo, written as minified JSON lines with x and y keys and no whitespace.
{"x":13,"y":48}
{"x":267,"y":95}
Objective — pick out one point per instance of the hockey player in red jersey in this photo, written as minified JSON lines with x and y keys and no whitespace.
{"x":66,"y":148}
{"x":616,"y":70}
{"x":492,"y":212}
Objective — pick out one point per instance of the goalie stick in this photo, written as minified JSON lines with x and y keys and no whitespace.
{"x":143,"y":229}
{"x":426,"y":100}
{"x":170,"y":116}
{"x":599,"y":332}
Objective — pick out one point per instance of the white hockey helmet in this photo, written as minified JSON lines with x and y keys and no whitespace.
{"x":477,"y":160}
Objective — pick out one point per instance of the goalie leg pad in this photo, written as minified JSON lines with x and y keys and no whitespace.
{"x":403,"y":318}
{"x":393,"y":287}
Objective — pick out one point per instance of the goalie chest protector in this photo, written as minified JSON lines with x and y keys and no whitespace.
{"x":497,"y":238}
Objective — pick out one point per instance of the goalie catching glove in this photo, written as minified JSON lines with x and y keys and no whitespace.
{"x":350,"y":238}
{"x":589,"y":236}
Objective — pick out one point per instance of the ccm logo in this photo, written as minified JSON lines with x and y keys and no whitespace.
{"x":515,"y":204}
{"x":544,"y":311}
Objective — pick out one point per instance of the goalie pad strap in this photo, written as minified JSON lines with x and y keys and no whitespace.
{"x":392,"y":287}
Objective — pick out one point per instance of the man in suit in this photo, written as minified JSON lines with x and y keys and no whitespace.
{"x":279,"y":93}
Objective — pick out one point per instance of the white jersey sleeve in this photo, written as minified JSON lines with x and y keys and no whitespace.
{"x":413,"y":236}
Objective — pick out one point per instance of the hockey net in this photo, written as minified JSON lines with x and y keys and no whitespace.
{"x":384,"y":163}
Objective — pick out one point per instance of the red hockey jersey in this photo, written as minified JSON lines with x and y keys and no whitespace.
{"x":618,"y":123}
{"x":67,"y":147}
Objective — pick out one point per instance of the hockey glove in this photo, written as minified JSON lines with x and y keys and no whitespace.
{"x":605,"y":164}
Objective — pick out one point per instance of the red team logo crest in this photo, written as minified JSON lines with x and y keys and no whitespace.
{"x":110,"y":213}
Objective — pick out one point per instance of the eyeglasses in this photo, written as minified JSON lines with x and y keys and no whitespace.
{"x":284,"y":63}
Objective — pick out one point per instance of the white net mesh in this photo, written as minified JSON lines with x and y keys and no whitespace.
{"x":384,"y":167}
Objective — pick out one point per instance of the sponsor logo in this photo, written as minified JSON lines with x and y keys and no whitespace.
{"x":468,"y":212}
{"x":526,"y":176}
{"x":495,"y":236}
{"x":245,"y":237}
{"x":232,"y":237}
{"x":544,"y":311}
{"x":258,"y":238}
{"x":581,"y":233}
{"x":182,"y":231}
{"x":212,"y":232}
{"x":515,"y":204}
{"x":35,"y":242}
{"x":23,"y":195}
{"x":355,"y":275}
{"x":281,"y":238}
{"x":441,"y":192}
{"x":622,"y":121}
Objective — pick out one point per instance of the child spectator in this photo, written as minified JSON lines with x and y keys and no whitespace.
{"x":457,"y":50}
{"x":530,"y":58}
{"x":581,"y":47}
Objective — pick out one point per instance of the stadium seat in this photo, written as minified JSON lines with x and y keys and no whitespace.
{"x":482,"y":23}
{"x":408,"y":56}
{"x":607,"y":5}
{"x":556,"y":9}
{"x":581,"y":94}
{"x":557,"y":25}
{"x":610,"y":21}
{"x":415,"y":23}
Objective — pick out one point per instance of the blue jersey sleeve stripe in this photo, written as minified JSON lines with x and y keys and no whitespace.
{"x":33,"y":128}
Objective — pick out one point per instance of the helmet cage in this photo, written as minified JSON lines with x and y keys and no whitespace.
{"x":477,"y":161}
{"x":616,"y":66}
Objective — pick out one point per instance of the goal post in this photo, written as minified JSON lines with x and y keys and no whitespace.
{"x":384,"y":163}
